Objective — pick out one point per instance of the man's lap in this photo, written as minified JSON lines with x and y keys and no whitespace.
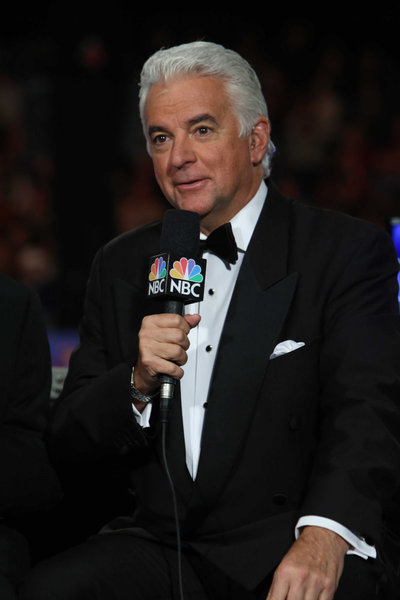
{"x":108,"y":566}
{"x":366,"y":580}
{"x":122,"y":566}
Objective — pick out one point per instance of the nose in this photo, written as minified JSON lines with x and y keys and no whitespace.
{"x":182,"y":152}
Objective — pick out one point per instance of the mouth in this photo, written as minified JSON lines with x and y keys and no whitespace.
{"x":188,"y":185}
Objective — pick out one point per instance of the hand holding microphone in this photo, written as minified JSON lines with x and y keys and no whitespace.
{"x":163,"y":341}
{"x":176,"y":278}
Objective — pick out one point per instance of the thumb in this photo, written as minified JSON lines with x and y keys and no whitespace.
{"x":192,"y":320}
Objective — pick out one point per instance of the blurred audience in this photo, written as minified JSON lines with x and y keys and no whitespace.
{"x":335,"y":122}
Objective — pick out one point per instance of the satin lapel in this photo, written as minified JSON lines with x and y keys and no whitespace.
{"x":258,"y":309}
{"x":176,"y":452}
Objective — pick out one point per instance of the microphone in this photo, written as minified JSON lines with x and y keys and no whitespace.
{"x":176,"y":274}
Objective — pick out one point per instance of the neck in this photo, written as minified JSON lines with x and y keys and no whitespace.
{"x":213,"y":220}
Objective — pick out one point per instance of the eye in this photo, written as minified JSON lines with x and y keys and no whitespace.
{"x":203,"y":130}
{"x":159,"y":139}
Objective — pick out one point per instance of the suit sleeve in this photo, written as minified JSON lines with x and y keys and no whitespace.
{"x":93,"y":417}
{"x":27,"y":481}
{"x":356,"y":470}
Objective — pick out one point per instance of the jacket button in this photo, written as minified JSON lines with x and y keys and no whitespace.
{"x":279,"y":499}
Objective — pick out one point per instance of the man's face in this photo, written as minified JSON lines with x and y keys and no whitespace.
{"x":200,"y":162}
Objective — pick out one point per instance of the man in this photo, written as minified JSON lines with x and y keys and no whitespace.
{"x":286,"y":423}
{"x":28,"y":484}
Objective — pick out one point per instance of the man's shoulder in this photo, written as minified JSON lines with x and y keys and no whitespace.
{"x":321,"y":222}
{"x":320,"y":234}
{"x":141,"y":240}
{"x":309,"y":215}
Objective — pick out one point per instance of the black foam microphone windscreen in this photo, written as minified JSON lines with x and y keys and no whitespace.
{"x":180,"y":232}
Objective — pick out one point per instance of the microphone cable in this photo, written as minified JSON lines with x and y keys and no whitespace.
{"x":164,"y":423}
{"x":180,"y":235}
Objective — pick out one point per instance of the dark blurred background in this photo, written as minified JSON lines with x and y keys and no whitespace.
{"x":73,"y":167}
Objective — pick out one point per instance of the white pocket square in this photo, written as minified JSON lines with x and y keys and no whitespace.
{"x":285,"y":347}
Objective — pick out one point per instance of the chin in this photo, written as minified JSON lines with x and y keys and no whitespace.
{"x":196,"y":206}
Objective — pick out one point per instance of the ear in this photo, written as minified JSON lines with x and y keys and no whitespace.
{"x":258,"y":139}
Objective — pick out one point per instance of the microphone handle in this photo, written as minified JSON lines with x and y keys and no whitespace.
{"x":167,"y":383}
{"x":174,"y":307}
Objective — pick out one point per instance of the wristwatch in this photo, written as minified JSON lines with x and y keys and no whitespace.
{"x":138,"y":395}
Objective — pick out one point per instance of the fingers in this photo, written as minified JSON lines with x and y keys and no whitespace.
{"x":311,"y":569}
{"x":292,"y":582}
{"x":278,"y":590}
{"x":192,"y":320}
{"x":167,"y":335}
{"x":163,"y":342}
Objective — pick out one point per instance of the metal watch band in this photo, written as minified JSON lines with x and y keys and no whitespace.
{"x":138,"y":395}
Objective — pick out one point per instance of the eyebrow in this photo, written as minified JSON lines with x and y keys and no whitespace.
{"x":201,"y":118}
{"x":193,"y":121}
{"x":156,"y":128}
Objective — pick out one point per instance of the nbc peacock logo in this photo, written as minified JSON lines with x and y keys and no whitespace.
{"x":182,"y":278}
{"x":187,"y":270}
{"x":186,"y":278}
{"x":158,"y":269}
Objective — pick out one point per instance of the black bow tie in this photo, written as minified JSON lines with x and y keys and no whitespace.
{"x":222,"y":243}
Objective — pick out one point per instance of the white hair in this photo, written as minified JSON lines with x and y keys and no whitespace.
{"x":212,"y":60}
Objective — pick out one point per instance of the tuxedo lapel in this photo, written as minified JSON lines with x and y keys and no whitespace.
{"x":259,"y":306}
{"x":176,"y":451}
{"x":269,"y":245}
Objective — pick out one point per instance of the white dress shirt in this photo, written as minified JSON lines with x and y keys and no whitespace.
{"x":204,"y":340}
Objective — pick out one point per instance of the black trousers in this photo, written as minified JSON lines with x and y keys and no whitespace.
{"x":124,"y":567}
{"x":14,"y":561}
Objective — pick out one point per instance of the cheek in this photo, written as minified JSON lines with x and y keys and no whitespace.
{"x":229,"y":166}
{"x":233,"y":154}
{"x":160,"y":171}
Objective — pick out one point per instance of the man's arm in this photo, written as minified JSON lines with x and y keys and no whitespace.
{"x":94,"y":416}
{"x":357,"y":461}
{"x":357,"y":544}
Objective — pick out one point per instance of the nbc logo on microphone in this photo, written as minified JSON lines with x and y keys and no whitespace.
{"x":187,"y":270}
{"x":185,"y":278}
{"x":158,"y":270}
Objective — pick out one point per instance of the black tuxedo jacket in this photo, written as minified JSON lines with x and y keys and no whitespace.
{"x":313,"y":432}
{"x":27,"y":481}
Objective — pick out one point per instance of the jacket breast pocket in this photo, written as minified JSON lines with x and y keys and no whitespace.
{"x":295,"y":371}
